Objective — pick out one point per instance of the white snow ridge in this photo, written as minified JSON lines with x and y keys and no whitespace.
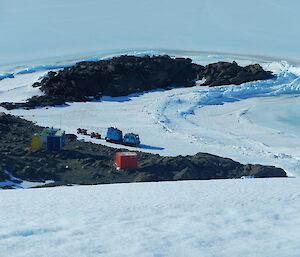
{"x":201,"y":218}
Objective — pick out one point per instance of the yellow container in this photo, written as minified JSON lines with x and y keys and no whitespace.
{"x":36,"y":143}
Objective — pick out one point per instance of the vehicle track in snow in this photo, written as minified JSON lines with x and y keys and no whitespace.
{"x":178,"y":113}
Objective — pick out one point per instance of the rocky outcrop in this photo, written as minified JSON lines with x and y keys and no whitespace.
{"x":124,"y":75}
{"x":224,"y":73}
{"x":88,"y":163}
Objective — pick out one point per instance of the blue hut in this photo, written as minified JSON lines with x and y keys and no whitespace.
{"x":53,"y":139}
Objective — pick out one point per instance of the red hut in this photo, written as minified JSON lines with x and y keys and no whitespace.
{"x":126,"y":160}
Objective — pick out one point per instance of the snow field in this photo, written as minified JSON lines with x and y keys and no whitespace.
{"x":19,"y":89}
{"x":197,"y":218}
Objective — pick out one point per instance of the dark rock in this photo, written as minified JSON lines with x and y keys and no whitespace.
{"x":224,"y":73}
{"x":125,"y":75}
{"x":260,"y":171}
{"x":145,"y":177}
{"x":87,"y":163}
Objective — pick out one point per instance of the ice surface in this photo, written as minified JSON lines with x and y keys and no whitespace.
{"x":205,"y":218}
{"x":35,"y":31}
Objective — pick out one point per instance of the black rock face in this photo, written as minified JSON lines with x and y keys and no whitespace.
{"x":224,"y":73}
{"x":124,"y":75}
{"x":88,"y":163}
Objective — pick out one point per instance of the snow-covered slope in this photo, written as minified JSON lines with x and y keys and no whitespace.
{"x":19,"y":89}
{"x":34,"y":31}
{"x":205,"y":218}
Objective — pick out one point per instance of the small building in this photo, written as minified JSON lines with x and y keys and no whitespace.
{"x":126,"y":160}
{"x":36,"y":142}
{"x":53,"y":139}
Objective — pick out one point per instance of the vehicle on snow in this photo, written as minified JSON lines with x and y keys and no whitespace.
{"x":131,"y":139}
{"x":114,"y":135}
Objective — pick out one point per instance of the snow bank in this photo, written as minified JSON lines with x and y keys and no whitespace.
{"x":16,"y":183}
{"x":204,"y":218}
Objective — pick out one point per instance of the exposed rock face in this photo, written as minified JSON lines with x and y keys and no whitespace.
{"x":88,"y":163}
{"x":224,"y":73}
{"x":124,"y":75}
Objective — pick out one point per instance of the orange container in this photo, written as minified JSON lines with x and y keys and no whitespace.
{"x":126,"y":160}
